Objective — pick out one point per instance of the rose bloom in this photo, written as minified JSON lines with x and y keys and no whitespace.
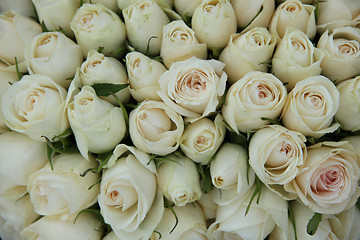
{"x":247,"y":52}
{"x":35,"y":106}
{"x":310,"y":107}
{"x":6,"y":79}
{"x":342,"y":51}
{"x":329,"y":180}
{"x":251,"y":98}
{"x":193,"y":87}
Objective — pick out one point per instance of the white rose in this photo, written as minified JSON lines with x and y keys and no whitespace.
{"x":86,"y":227}
{"x":17,"y":32}
{"x":354,"y":140}
{"x":202,"y":138}
{"x":24,"y":8}
{"x":230,"y":174}
{"x":329,"y":180}
{"x":348,"y":114}
{"x":337,"y":13}
{"x":99,"y":68}
{"x":129,"y":199}
{"x":296,"y":58}
{"x":277,"y":156}
{"x":110,"y":4}
{"x":61,"y":192}
{"x":232,"y":222}
{"x":248,"y":51}
{"x":310,"y":107}
{"x":162,"y":3}
{"x":214,"y":22}
{"x":256,"y":13}
{"x":6,"y":79}
{"x":56,"y":14}
{"x":96,"y":26}
{"x":35,"y":106}
{"x":155,"y":128}
{"x":144,"y":74}
{"x":342,"y":51}
{"x":186,"y":8}
{"x":345,"y":225}
{"x":251,"y":98}
{"x":144,"y":23}
{"x":55,"y":55}
{"x":293,"y":13}
{"x":179,"y":180}
{"x":191,"y":224}
{"x":193,"y":87}
{"x":20,"y":156}
{"x":180,"y":43}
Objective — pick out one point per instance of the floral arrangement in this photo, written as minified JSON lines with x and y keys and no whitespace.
{"x":179,"y":119}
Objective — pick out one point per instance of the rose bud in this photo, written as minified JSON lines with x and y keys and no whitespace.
{"x":256,"y":96}
{"x":296,"y":58}
{"x":311,"y":106}
{"x":7,"y":78}
{"x":256,"y":13}
{"x":342,"y":51}
{"x":96,"y":26}
{"x":55,"y":55}
{"x":179,"y":43}
{"x":214,"y":22}
{"x":293,"y":13}
{"x":35,"y":106}
{"x":144,"y":74}
{"x":186,"y":8}
{"x":144,"y":24}
{"x":248,"y":51}
{"x":179,"y":180}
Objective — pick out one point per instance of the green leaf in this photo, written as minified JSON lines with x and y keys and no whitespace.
{"x":215,"y":53}
{"x":159,"y":59}
{"x":103,"y":159}
{"x":271,"y":120}
{"x":170,"y":206}
{"x":257,"y":191}
{"x":18,"y":73}
{"x":187,"y":18}
{"x":100,"y":49}
{"x":313,"y":224}
{"x":292,"y":220}
{"x":106,"y":89}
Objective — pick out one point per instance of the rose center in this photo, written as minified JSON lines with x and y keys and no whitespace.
{"x":314,"y":100}
{"x":262,"y":95}
{"x":46,"y":46}
{"x":292,"y":7}
{"x":346,"y":49}
{"x":280,"y":155}
{"x":193,"y":83}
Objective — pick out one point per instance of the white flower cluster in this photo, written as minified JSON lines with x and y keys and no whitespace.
{"x":179,"y":119}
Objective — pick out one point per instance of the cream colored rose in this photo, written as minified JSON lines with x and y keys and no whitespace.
{"x":129,"y":199}
{"x":61,"y":192}
{"x":55,"y":55}
{"x":354,"y":140}
{"x":97,"y":125}
{"x":155,"y":128}
{"x":87,"y":227}
{"x":191,"y":224}
{"x":35,"y":106}
{"x":186,"y":7}
{"x":20,"y":156}
{"x":99,"y":68}
{"x":293,"y":13}
{"x":96,"y":26}
{"x":311,"y":106}
{"x":329,"y":180}
{"x":6,"y":79}
{"x":348,"y":114}
{"x":248,"y":51}
{"x":232,"y":222}
{"x":296,"y":58}
{"x":253,"y":13}
{"x":202,"y":138}
{"x":277,"y":156}
{"x":230,"y":174}
{"x":345,"y":224}
{"x":17,"y":32}
{"x":342,"y":51}
{"x":162,"y":3}
{"x":180,"y":43}
{"x":179,"y":180}
{"x":337,"y":13}
{"x":213,"y":22}
{"x":144,"y":74}
{"x":193,"y":87}
{"x":110,"y":4}
{"x":24,"y":8}
{"x":56,"y":14}
{"x":253,"y":97}
{"x":144,"y":24}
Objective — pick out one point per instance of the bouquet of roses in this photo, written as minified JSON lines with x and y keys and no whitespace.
{"x":179,"y":119}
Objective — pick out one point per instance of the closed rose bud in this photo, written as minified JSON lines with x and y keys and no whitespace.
{"x":144,"y":24}
{"x":248,"y":51}
{"x":186,"y":7}
{"x":179,"y":180}
{"x":214,"y":22}
{"x":96,"y":26}
{"x":179,"y":43}
{"x":55,"y":55}
{"x":144,"y":74}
